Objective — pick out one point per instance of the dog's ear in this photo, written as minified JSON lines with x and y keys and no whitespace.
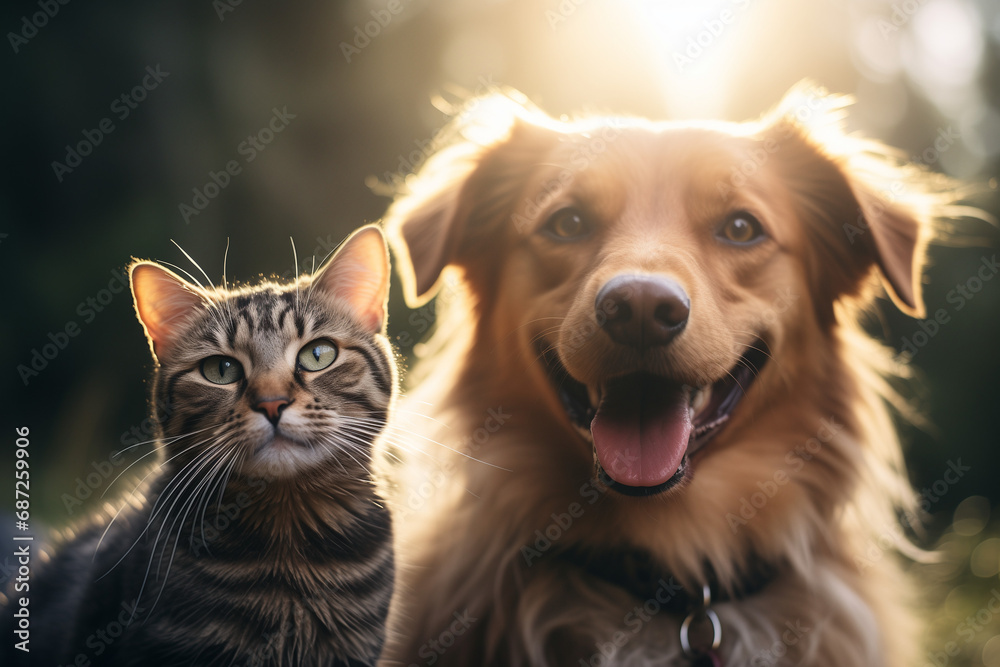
{"x":423,"y":225}
{"x":862,"y":202}
{"x":464,"y":181}
{"x":899,"y":237}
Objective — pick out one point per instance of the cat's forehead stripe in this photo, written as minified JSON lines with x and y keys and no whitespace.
{"x":282,"y":315}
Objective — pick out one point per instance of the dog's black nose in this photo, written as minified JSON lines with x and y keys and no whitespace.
{"x":642,"y":311}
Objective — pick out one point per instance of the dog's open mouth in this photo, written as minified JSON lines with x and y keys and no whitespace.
{"x":644,"y":427}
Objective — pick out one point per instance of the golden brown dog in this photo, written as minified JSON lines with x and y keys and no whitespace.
{"x":666,"y":439}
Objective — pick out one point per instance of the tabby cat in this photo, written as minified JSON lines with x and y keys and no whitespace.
{"x":260,"y":538}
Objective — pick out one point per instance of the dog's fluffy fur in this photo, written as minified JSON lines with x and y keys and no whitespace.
{"x":807,"y":475}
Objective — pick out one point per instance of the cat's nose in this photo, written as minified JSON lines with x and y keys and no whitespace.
{"x":272,"y":407}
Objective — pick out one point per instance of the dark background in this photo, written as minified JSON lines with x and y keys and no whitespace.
{"x":919,"y":70}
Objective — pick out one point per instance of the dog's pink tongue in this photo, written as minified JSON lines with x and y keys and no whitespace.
{"x":641,"y":430}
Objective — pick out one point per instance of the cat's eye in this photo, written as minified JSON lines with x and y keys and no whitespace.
{"x":221,"y":370}
{"x":568,"y":224}
{"x":741,"y":228}
{"x":317,"y":355}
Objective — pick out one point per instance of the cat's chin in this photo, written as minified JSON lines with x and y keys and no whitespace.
{"x":283,"y":457}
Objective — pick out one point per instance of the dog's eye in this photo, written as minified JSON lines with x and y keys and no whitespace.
{"x":568,"y":224}
{"x":742,"y":228}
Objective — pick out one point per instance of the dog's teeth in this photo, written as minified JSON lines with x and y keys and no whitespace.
{"x":700,"y":400}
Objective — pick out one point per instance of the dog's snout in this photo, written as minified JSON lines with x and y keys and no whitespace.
{"x":642,"y":311}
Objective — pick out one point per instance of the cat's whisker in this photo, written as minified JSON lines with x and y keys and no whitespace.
{"x":203,"y":460}
{"x":196,"y":264}
{"x":237,"y":462}
{"x":186,"y":508}
{"x":208,"y":453}
{"x":346,"y":492}
{"x":397,"y":410}
{"x":372,"y":434}
{"x":295,"y":263}
{"x":312,"y":283}
{"x":164,"y":494}
{"x":135,"y":489}
{"x":191,"y":501}
{"x":165,"y":441}
{"x":158,"y":465}
{"x":185,"y":272}
{"x":207,"y":499}
{"x":393,"y":455}
{"x":423,"y":437}
{"x":452,"y":449}
{"x":350,"y":443}
{"x":334,"y":457}
{"x":225,"y":260}
{"x":348,"y":447}
{"x":175,"y":439}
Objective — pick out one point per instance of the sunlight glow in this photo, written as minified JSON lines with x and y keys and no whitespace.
{"x":694,"y":43}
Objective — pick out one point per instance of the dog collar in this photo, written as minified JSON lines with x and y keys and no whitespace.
{"x":637,"y":572}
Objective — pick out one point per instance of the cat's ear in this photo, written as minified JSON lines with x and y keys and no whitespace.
{"x":358,"y":275}
{"x":163,"y":302}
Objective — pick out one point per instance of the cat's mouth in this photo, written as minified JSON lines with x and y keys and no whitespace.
{"x":645,"y":427}
{"x":283,"y":455}
{"x":281,"y":441}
